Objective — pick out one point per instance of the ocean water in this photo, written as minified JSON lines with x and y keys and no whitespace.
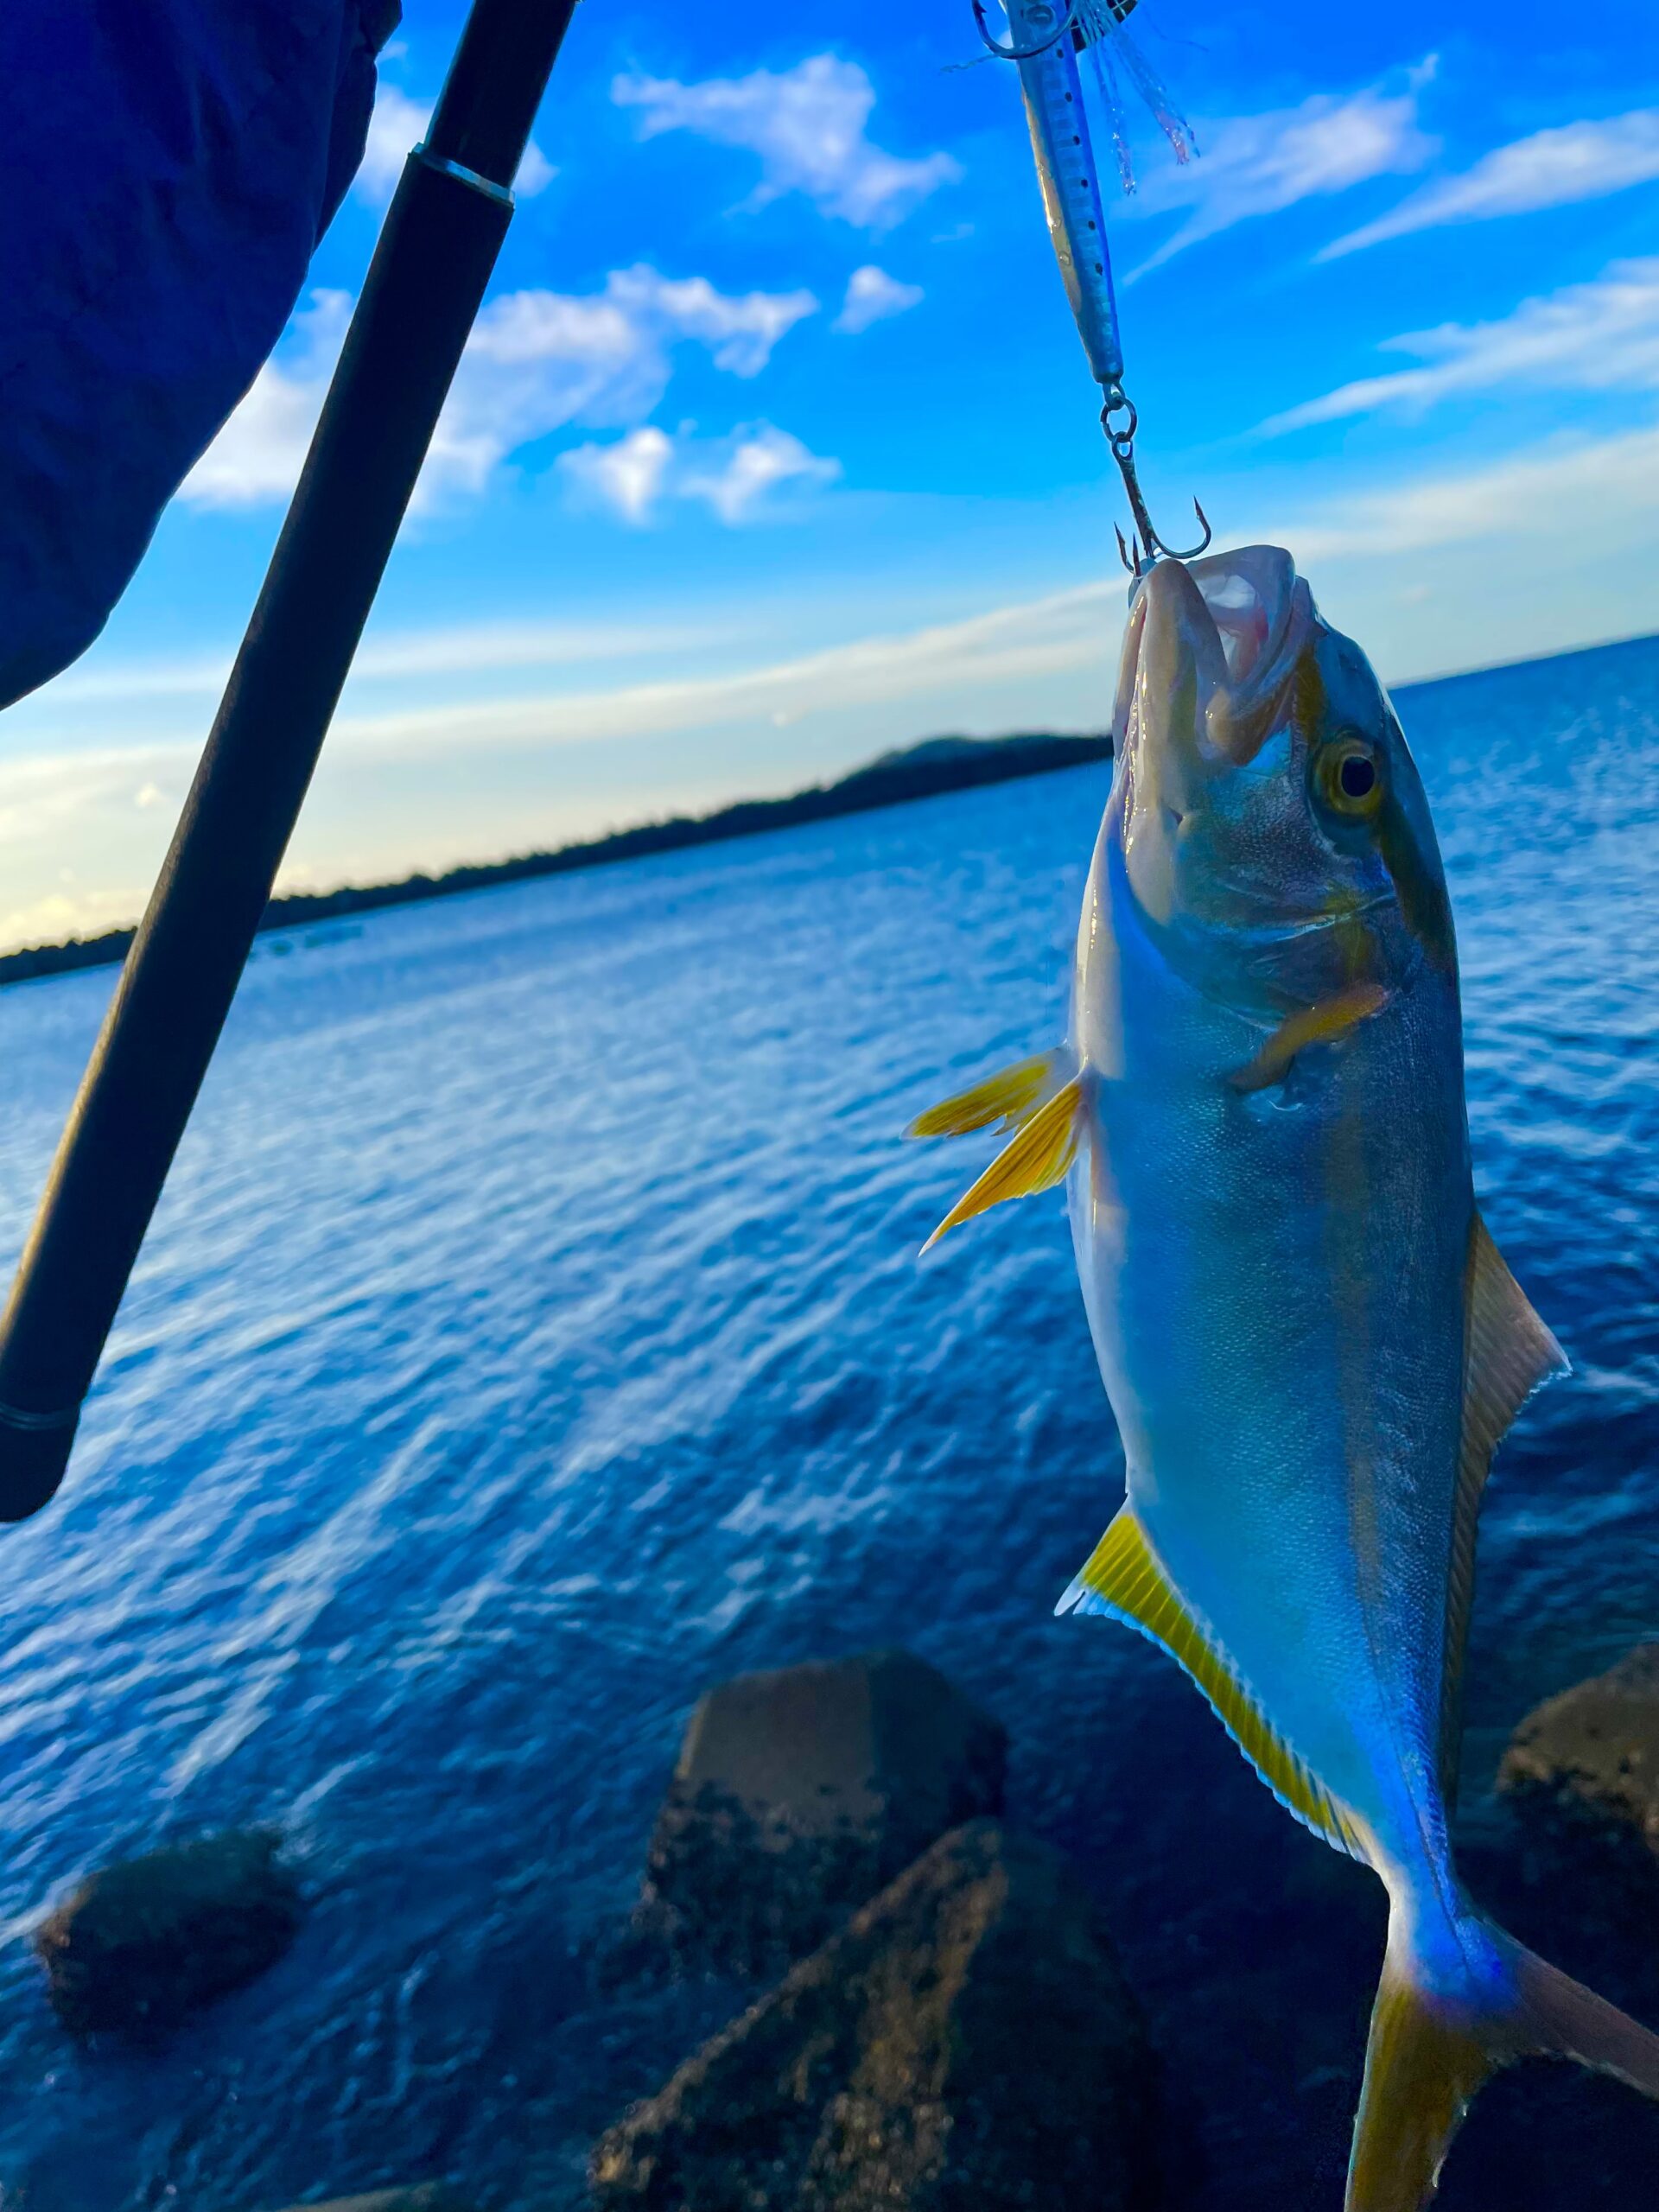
{"x":533,"y":1332}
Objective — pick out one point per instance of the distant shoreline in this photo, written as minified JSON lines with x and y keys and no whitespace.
{"x":924,"y":771}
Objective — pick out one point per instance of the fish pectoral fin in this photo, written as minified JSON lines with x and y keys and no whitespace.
{"x":1322,"y":1023}
{"x":1035,"y":1158}
{"x":1012,"y":1095}
{"x":1508,"y":1351}
{"x":1123,"y":1579}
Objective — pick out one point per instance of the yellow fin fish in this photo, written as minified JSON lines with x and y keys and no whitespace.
{"x":1311,"y":1343}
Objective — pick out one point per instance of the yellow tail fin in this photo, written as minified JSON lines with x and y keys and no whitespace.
{"x":1431,"y":2050}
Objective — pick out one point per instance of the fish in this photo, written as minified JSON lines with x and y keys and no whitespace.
{"x":1308,"y":1337}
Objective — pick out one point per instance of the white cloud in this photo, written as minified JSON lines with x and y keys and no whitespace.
{"x":740,"y":332}
{"x":732,"y":476}
{"x":872,"y":297}
{"x":398,"y":124}
{"x":808,"y":125}
{"x":257,"y":455}
{"x":1552,"y":169}
{"x":627,"y":476}
{"x":535,"y":174}
{"x":1602,"y":336}
{"x":736,"y":475}
{"x":1260,"y":164}
{"x":535,"y":362}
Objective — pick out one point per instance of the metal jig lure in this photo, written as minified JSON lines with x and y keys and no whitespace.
{"x":1046,"y":37}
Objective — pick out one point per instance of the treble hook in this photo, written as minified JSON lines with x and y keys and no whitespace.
{"x":1121,"y":438}
{"x":1035,"y":12}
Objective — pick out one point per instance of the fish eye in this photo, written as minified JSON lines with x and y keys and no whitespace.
{"x":1348,"y":776}
{"x":1356,"y":775}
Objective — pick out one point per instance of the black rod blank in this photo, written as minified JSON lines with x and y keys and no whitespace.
{"x":423,"y":289}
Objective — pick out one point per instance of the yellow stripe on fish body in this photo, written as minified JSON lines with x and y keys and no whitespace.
{"x":1035,"y":1160}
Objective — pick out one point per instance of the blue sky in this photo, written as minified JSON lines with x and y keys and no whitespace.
{"x":776,"y":445}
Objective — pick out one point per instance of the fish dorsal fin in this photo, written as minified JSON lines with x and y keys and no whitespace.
{"x":1010,"y":1097}
{"x":1507,"y":1352}
{"x":1124,"y":1579}
{"x":1035,"y":1158}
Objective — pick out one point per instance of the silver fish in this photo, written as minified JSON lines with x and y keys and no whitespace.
{"x":1311,"y":1343}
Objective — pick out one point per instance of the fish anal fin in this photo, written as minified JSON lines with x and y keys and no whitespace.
{"x":1010,"y":1097}
{"x":1508,"y":1351}
{"x":1033,"y":1160}
{"x":1123,"y":1577}
{"x":1320,"y":1024}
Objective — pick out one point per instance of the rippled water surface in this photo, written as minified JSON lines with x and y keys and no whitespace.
{"x":532,"y":1331}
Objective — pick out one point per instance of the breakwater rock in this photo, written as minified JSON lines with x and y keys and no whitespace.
{"x":138,"y":1945}
{"x":800,"y":1794}
{"x":1590,"y":1757}
{"x":965,"y":2043}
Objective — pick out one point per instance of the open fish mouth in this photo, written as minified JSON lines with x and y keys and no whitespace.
{"x":1210,"y":812}
{"x":1209,"y":651}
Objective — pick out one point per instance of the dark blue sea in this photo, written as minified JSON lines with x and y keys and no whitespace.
{"x":533,"y":1332}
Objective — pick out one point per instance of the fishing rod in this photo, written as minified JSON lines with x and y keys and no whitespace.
{"x":424,"y":288}
{"x":1045,"y":41}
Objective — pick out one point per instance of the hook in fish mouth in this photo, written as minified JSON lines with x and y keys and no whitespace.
{"x":1120,"y":437}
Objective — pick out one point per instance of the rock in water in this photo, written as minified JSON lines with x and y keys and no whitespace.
{"x":140,"y":1945}
{"x":966,"y":2044}
{"x":1592,"y":1755}
{"x":800,"y":1794}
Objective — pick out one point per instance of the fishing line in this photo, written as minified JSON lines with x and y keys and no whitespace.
{"x":1045,"y":40}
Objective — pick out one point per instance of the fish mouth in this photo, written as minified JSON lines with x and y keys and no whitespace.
{"x":1207,"y":657}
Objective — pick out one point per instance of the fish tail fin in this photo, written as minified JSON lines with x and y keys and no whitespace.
{"x":1431,"y":2048}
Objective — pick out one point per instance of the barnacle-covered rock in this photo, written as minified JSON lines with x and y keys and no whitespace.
{"x":966,"y":2044}
{"x":798,"y":1793}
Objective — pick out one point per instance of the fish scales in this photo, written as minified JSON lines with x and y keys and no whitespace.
{"x":1309,"y":1340}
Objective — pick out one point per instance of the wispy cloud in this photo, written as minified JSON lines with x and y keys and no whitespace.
{"x":809,"y":126}
{"x":462,"y":649}
{"x":82,"y":830}
{"x":1602,"y":336}
{"x":1260,"y":164}
{"x":1549,"y":492}
{"x":398,"y":125}
{"x":536,"y":362}
{"x":1552,"y":169}
{"x":872,"y":297}
{"x":734,"y":477}
{"x":111,"y":810}
{"x":1068,"y":629}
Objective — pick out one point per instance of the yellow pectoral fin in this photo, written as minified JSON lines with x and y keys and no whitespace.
{"x":1009,"y":1096}
{"x":1036,"y":1160}
{"x":1320,"y":1024}
{"x":1123,"y":1577}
